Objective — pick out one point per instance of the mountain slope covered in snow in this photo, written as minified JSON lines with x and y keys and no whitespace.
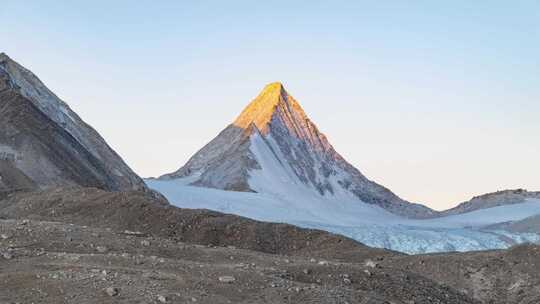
{"x":281,"y":168}
{"x":369,"y":224}
{"x":273,"y":147}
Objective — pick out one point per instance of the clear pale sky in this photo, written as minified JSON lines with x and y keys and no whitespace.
{"x":437,"y":101}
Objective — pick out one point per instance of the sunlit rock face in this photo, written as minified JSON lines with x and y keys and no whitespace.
{"x":43,"y":143}
{"x":273,"y":147}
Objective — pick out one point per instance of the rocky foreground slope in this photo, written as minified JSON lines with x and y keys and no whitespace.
{"x":44,"y":262}
{"x":139,"y":211}
{"x":43,"y":143}
{"x":89,"y":255}
{"x":499,"y":276}
{"x":91,"y":246}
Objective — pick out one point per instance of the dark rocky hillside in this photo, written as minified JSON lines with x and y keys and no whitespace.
{"x":44,"y":144}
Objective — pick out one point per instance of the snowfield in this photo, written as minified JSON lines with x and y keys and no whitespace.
{"x":365,"y":223}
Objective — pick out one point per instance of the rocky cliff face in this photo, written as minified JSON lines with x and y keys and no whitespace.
{"x":43,"y":143}
{"x":274,"y":147}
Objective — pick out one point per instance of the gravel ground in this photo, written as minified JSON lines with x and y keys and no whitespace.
{"x":83,"y":245}
{"x":53,"y":262}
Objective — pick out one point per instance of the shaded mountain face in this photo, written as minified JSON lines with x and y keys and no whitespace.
{"x":273,"y":147}
{"x":43,"y":143}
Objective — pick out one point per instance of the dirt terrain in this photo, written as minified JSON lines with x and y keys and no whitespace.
{"x":499,"y":276}
{"x":47,"y":262}
{"x":128,"y":247}
{"x":83,"y":245}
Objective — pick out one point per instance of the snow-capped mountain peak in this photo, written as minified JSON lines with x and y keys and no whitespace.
{"x":260,"y":111}
{"x":274,"y":147}
{"x":276,"y":151}
{"x":275,"y":105}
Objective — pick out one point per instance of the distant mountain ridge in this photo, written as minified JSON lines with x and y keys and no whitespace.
{"x":43,"y":143}
{"x":273,"y":147}
{"x":493,"y":199}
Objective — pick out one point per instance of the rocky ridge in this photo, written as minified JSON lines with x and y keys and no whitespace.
{"x":490,"y":200}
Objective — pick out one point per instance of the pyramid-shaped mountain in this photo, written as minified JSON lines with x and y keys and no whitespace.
{"x":273,"y":147}
{"x":43,"y":143}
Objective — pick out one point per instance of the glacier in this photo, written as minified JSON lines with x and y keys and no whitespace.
{"x":368,"y":224}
